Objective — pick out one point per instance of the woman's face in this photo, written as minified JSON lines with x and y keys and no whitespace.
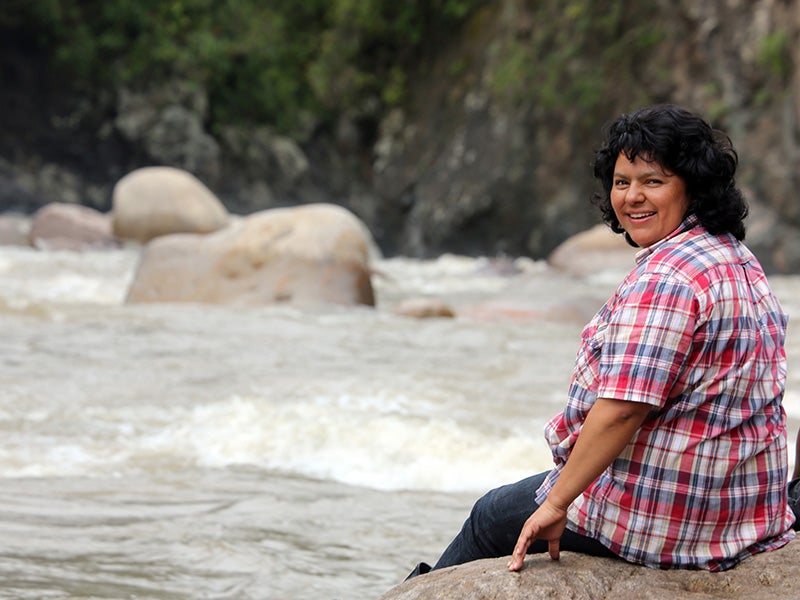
{"x":649,"y":201}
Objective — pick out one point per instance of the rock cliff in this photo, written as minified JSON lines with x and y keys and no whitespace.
{"x":490,"y":152}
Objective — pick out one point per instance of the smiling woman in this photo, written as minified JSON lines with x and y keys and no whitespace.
{"x":672,"y":142}
{"x":672,"y":449}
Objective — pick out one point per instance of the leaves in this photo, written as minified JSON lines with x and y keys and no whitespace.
{"x":259,"y":61}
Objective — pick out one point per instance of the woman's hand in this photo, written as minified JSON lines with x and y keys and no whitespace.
{"x":547,"y":523}
{"x":608,"y":428}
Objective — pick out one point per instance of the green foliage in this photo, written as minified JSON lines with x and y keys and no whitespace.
{"x":261,"y":61}
{"x":774,"y":54}
{"x":577,"y":52}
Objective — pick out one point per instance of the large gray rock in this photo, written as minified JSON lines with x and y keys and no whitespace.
{"x":155,"y":201}
{"x":14,"y":230}
{"x":582,"y":577}
{"x":773,"y":240}
{"x":317,"y":253}
{"x":167,"y":122}
{"x":592,"y":251}
{"x":63,"y":226}
{"x":424,"y":308}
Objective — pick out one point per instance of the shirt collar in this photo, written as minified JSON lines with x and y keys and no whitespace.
{"x":689,"y":222}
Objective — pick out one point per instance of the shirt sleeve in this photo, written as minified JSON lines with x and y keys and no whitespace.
{"x":647,"y":340}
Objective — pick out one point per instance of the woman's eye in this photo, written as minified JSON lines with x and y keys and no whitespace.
{"x":620,"y":182}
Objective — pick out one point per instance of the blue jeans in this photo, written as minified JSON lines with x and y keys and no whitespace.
{"x":493,"y":526}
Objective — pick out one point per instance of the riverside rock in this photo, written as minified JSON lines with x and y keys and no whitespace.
{"x":155,"y":201}
{"x":14,"y":230}
{"x":592,"y":251}
{"x":311,"y":254}
{"x":424,"y":308}
{"x":63,"y":226}
{"x":582,"y":577}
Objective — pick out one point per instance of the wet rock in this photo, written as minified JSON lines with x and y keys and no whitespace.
{"x":424,"y":308}
{"x":63,"y":226}
{"x":14,"y":230}
{"x":167,"y":121}
{"x":311,"y":254}
{"x":155,"y":201}
{"x":582,"y":577}
{"x":774,"y":241}
{"x":592,"y":251}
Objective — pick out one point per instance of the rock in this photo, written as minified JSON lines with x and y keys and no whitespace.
{"x":63,"y":226}
{"x":591,"y":251}
{"x":774,"y":241}
{"x":317,"y":253}
{"x":582,"y":577}
{"x":269,"y":164}
{"x":167,"y":121}
{"x":424,"y":308}
{"x":14,"y":230}
{"x":155,"y":201}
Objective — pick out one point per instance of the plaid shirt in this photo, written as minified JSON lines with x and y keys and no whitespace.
{"x":695,"y":331}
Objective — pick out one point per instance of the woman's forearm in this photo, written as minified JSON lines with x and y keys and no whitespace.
{"x":608,"y":428}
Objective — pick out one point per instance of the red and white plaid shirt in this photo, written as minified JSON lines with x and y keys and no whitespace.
{"x":695,"y":331}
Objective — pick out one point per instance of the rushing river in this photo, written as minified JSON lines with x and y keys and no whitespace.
{"x":190,"y":451}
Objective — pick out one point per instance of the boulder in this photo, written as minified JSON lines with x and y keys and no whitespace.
{"x":166,"y":120}
{"x":774,"y":241}
{"x":316,"y":253}
{"x":592,"y":251}
{"x":424,"y":308}
{"x":65,"y":226}
{"x":14,"y":230}
{"x":155,"y":201}
{"x":582,"y":577}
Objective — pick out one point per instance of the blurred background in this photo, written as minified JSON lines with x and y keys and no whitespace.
{"x":463,"y":126}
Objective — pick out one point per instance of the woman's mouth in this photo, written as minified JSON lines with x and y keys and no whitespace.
{"x":639,"y":216}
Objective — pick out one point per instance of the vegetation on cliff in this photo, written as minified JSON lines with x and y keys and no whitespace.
{"x":275,"y":62}
{"x":586,"y":52}
{"x":446,"y":125}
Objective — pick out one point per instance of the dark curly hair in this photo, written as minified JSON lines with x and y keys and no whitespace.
{"x":685,"y":145}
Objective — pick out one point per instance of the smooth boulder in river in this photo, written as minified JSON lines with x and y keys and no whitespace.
{"x":65,"y":226}
{"x":155,"y":201}
{"x":309,"y":254}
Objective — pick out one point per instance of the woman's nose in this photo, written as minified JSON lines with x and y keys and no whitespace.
{"x":635,"y":193}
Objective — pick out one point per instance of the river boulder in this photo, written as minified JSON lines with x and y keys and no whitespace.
{"x":155,"y":201}
{"x":582,"y":577}
{"x":67,"y":226}
{"x":310,"y":254}
{"x":14,"y":230}
{"x":592,"y":251}
{"x":424,"y":308}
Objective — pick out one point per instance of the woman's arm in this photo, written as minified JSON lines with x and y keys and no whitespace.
{"x":609,"y":426}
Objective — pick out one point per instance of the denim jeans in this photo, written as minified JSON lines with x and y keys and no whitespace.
{"x":493,"y":526}
{"x":793,"y":491}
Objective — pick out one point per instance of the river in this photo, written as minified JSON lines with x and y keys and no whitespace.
{"x":173,"y":451}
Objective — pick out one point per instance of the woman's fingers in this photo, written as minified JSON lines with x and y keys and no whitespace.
{"x":553,"y":548}
{"x":529,"y":532}
{"x":518,"y":556}
{"x":547,"y":523}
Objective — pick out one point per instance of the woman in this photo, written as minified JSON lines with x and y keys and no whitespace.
{"x":671,"y":451}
